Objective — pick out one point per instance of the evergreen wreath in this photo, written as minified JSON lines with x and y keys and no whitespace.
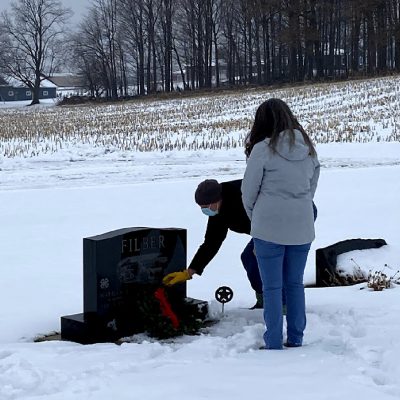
{"x":164,"y":316}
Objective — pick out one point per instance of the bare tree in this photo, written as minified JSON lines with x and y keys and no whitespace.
{"x":88,"y":64}
{"x":255,"y":41}
{"x":31,"y":40}
{"x":99,"y":48}
{"x":167,"y":11}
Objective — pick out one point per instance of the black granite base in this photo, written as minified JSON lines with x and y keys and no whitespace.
{"x":88,"y":328}
{"x":85,"y":329}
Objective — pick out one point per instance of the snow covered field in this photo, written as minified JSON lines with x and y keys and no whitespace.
{"x":48,"y":204}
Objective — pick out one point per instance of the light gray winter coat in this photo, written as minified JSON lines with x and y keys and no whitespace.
{"x":278,"y":189}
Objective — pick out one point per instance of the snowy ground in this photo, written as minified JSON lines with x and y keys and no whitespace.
{"x":351,"y":343}
{"x":47,"y":205}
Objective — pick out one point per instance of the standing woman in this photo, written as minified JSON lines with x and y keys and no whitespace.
{"x":277,"y":192}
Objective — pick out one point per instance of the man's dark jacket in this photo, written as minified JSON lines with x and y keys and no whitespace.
{"x":231,"y":216}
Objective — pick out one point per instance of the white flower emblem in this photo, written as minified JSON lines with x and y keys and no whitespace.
{"x":104,"y":283}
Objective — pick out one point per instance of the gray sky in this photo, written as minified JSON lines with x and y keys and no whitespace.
{"x":79,"y":7}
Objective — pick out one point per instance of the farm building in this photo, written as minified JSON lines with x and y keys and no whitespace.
{"x":15,"y":91}
{"x":68,"y":84}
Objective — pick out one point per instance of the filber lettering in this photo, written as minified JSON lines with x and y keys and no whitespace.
{"x":136,"y":244}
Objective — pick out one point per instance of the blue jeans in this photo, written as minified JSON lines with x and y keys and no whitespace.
{"x":282,"y":269}
{"x":250,"y":264}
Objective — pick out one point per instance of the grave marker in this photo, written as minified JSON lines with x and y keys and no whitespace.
{"x":119,"y":268}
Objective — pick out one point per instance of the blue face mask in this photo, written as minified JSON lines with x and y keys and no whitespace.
{"x":210,"y":213}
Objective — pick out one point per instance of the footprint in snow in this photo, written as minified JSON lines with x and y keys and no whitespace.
{"x":5,"y":354}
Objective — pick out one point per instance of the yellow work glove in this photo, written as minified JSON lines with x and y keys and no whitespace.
{"x":176,"y":277}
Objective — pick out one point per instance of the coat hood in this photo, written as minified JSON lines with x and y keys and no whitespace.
{"x":298,"y":151}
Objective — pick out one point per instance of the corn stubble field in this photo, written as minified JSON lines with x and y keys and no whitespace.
{"x":353,"y":111}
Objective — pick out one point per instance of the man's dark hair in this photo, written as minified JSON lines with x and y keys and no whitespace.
{"x":208,"y":192}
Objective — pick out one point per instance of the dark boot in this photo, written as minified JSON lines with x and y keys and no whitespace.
{"x":259,"y":302}
{"x":287,"y":344}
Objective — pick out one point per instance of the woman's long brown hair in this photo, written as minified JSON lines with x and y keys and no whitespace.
{"x":272,"y":117}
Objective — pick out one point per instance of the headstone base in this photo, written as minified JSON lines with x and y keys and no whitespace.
{"x":88,"y":328}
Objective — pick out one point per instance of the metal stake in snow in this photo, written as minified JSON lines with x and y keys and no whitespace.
{"x":223,"y":295}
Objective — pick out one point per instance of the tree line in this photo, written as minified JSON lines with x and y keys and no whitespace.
{"x":162,"y":45}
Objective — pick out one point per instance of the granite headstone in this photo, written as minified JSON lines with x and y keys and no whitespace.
{"x":118,"y":268}
{"x":326,"y":258}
